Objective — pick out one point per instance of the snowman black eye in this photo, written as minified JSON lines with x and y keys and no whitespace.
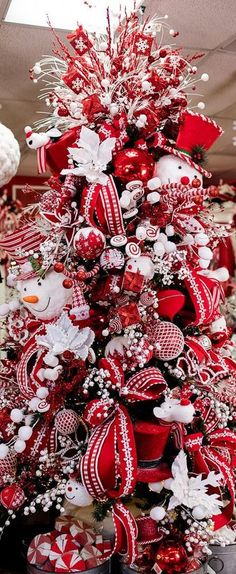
{"x":195,"y":177}
{"x":39,"y":283}
{"x":25,"y":289}
{"x":179,"y":166}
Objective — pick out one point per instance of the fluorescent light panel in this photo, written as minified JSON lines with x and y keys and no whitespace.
{"x":65,"y":14}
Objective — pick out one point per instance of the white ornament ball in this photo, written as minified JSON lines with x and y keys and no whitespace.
{"x":4,"y":309}
{"x":50,"y":360}
{"x":25,"y":432}
{"x":42,"y":393}
{"x":19,"y":446}
{"x":9,"y":155}
{"x":204,"y":77}
{"x":199,"y":512}
{"x":141,"y":233}
{"x":159,"y":249}
{"x":52,"y":374}
{"x":204,"y":263}
{"x":4,"y":450}
{"x":77,"y":494}
{"x":154,"y":183}
{"x":170,"y":247}
{"x":201,"y":239}
{"x":33,"y":403}
{"x":169,"y":230}
{"x":168,"y":483}
{"x":67,"y":422}
{"x":157,"y":513}
{"x":153,"y":197}
{"x":189,"y":239}
{"x":201,"y":105}
{"x":156,"y":486}
{"x":205,"y":253}
{"x":16,"y":415}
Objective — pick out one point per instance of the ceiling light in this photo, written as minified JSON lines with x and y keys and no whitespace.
{"x":91,"y":14}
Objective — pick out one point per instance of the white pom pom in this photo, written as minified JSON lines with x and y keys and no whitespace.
{"x":51,"y":360}
{"x":105,"y":83}
{"x":154,"y":183}
{"x":169,"y":230}
{"x":159,"y":249}
{"x":16,"y":415}
{"x":201,"y":105}
{"x":204,"y":263}
{"x":170,"y":247}
{"x":189,"y":239}
{"x":4,"y":309}
{"x":25,"y":432}
{"x":19,"y":446}
{"x":4,"y":450}
{"x":199,"y":512}
{"x":125,"y":199}
{"x":153,"y":197}
{"x":42,"y":392}
{"x":201,"y":239}
{"x":37,"y":69}
{"x":33,"y":403}
{"x":205,"y":253}
{"x":14,"y":305}
{"x":141,"y":233}
{"x":157,"y":513}
{"x":221,"y":274}
{"x":204,"y":77}
{"x":168,"y":483}
{"x":156,"y":486}
{"x":52,"y":374}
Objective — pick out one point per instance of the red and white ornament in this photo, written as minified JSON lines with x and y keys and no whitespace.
{"x":89,"y":243}
{"x":112,"y":259}
{"x":70,"y":562}
{"x":12,"y":497}
{"x":167,"y":339}
{"x":66,"y":421}
{"x":39,"y":549}
{"x":63,"y":543}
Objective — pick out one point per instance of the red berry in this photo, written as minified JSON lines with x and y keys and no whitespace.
{"x":81,"y":275}
{"x":59,"y":267}
{"x":67,"y":283}
{"x":196,"y":183}
{"x":185,"y":180}
{"x":162,"y":53}
{"x":198,"y":199}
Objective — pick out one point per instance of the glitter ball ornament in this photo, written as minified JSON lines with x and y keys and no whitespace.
{"x":133,"y":164}
{"x":12,"y":497}
{"x":167,"y":339}
{"x":171,"y":557}
{"x":89,"y":243}
{"x":66,"y":422}
{"x":112,"y":259}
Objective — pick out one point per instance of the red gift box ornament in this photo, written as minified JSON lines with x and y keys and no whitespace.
{"x":72,"y":79}
{"x":133,"y":282}
{"x":129,"y":314}
{"x":80,"y":41}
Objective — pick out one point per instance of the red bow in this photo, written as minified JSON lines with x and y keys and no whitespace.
{"x":100,"y":208}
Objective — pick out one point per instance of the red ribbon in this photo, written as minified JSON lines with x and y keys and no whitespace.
{"x":215,"y":455}
{"x":100,"y":208}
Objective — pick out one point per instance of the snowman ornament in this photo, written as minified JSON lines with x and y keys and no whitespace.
{"x":44,"y":297}
{"x":181,"y":166}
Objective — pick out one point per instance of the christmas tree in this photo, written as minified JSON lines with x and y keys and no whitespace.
{"x":120,"y":391}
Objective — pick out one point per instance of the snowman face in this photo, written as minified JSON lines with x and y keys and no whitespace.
{"x":170,"y":169}
{"x":77,"y":494}
{"x":45,"y":298}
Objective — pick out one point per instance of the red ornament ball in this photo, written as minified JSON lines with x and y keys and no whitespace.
{"x":131,"y":164}
{"x":171,"y":557}
{"x":12,"y":497}
{"x":89,"y":243}
{"x":196,"y":183}
{"x":66,"y":421}
{"x":67,"y":283}
{"x":59,"y":267}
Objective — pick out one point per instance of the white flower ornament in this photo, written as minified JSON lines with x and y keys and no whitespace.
{"x":192,"y":491}
{"x":92,"y":156}
{"x":63,"y":336}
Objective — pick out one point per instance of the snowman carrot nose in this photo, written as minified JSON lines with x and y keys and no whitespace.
{"x":30,"y":299}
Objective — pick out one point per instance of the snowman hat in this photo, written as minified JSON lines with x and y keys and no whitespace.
{"x":196,"y":135}
{"x":151,"y":439}
{"x":26,"y":272}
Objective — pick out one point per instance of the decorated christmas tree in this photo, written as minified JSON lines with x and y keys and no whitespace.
{"x":119,"y":396}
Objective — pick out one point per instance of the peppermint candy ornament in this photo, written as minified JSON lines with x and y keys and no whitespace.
{"x":66,"y":422}
{"x":89,"y":243}
{"x":166,"y":338}
{"x":39,"y":549}
{"x":12,"y":497}
{"x":70,"y":562}
{"x":63,"y":543}
{"x":112,"y":259}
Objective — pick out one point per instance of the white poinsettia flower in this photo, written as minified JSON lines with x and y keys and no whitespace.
{"x":64,"y":336}
{"x":192,"y":491}
{"x":92,"y":156}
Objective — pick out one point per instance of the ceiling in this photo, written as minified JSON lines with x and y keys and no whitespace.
{"x":204,"y":26}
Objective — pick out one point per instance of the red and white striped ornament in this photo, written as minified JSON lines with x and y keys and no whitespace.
{"x":70,"y":562}
{"x":167,"y":339}
{"x":39,"y":549}
{"x":63,"y":543}
{"x":66,"y":421}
